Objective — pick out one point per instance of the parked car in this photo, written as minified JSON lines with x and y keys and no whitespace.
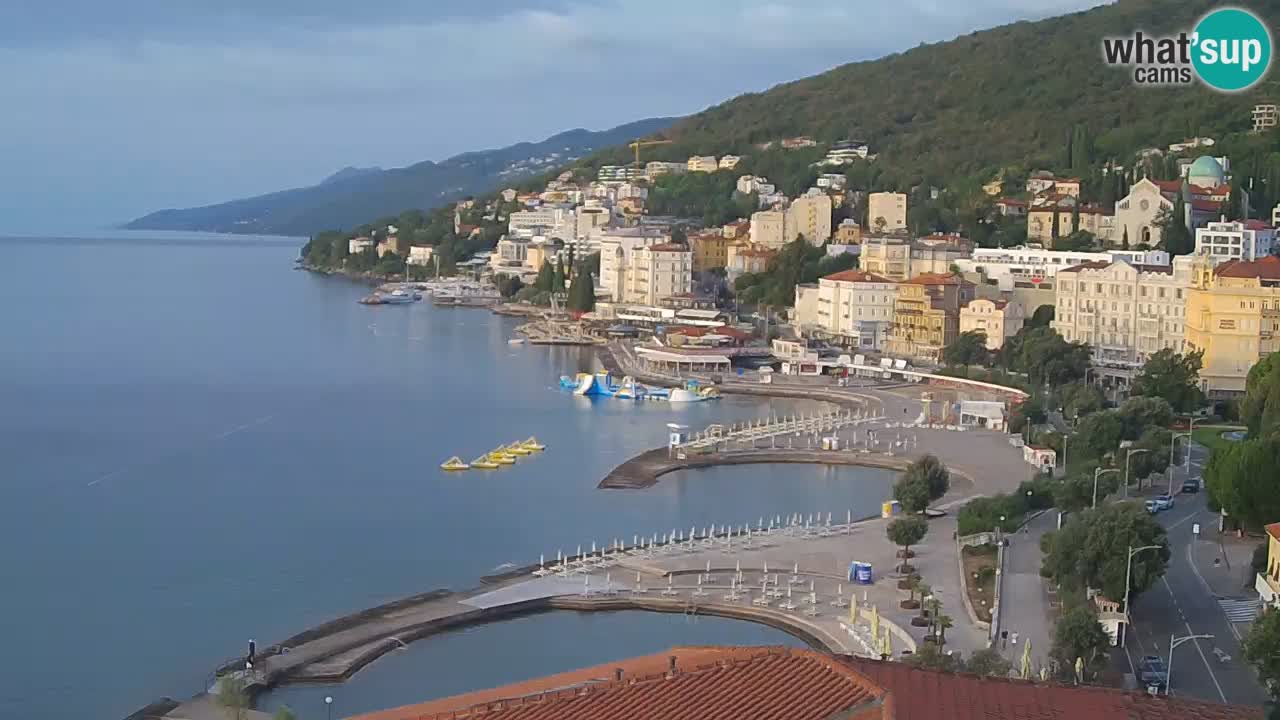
{"x":1151,"y":507}
{"x":1152,"y":672}
{"x":1164,"y":502}
{"x":1191,"y":486}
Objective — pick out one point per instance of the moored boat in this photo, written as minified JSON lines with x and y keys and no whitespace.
{"x":484,"y":463}
{"x":533,"y":444}
{"x":454,"y":463}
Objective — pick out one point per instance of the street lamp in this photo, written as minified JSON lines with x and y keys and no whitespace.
{"x":328,"y":704}
{"x":1191,"y":428}
{"x":1128,"y":572}
{"x":1173,"y":443}
{"x":1173,"y":643}
{"x":1127,"y":457}
{"x":1097,"y":473}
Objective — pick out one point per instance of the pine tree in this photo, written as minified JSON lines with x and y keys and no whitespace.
{"x":546,"y":277}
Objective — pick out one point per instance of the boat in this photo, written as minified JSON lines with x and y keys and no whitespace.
{"x":533,"y":444}
{"x":516,"y":449}
{"x":454,"y":463}
{"x":483,"y":463}
{"x":516,"y":341}
{"x":399,"y":297}
{"x":501,"y":457}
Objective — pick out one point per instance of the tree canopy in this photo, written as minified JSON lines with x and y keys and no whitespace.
{"x":1045,"y":356}
{"x":1259,"y":386}
{"x":1079,"y":636}
{"x":969,"y":348}
{"x":1243,"y":479}
{"x":907,"y":531}
{"x":1091,"y":550}
{"x":912,"y":493}
{"x":1171,"y":376}
{"x":1262,"y":650}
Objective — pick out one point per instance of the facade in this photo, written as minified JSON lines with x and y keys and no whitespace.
{"x":1136,"y":214}
{"x":392,"y":244}
{"x":1125,"y":312}
{"x":1268,"y":582}
{"x":809,"y":216}
{"x":845,"y":152}
{"x":853,"y":308}
{"x":1265,"y":117}
{"x":710,"y":250}
{"x":587,"y":220}
{"x":658,"y":272}
{"x":703,"y":164}
{"x":1233,"y":318}
{"x":551,"y":220}
{"x":886,"y":211}
{"x":768,"y":228}
{"x":743,"y":257}
{"x":358,"y":245}
{"x":617,"y":247}
{"x":420,"y":255}
{"x":897,"y":257}
{"x":508,"y":256}
{"x":657,"y":168}
{"x":926,"y":315}
{"x":729,"y":162}
{"x":1028,"y":267}
{"x":848,"y":232}
{"x":1011,"y":207}
{"x":1094,"y":220}
{"x":999,"y":319}
{"x":618,"y":173}
{"x":1250,"y":240}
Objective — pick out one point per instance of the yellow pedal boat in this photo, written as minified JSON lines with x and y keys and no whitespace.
{"x":454,"y":463}
{"x":516,"y":449}
{"x":502,"y":458}
{"x":483,"y":463}
{"x":533,"y":444}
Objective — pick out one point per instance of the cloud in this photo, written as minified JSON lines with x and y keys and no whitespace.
{"x":238,"y":97}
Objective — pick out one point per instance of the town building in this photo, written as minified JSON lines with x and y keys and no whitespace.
{"x":1265,"y":117}
{"x":618,"y":173}
{"x":1192,"y":144}
{"x":1268,"y":581}
{"x":831,"y":181}
{"x":729,"y":162}
{"x":710,"y":249}
{"x":392,"y":244}
{"x":559,"y":221}
{"x":810,"y":216}
{"x":538,"y":251}
{"x":748,"y":184}
{"x":1233,"y":318}
{"x":588,"y":221}
{"x":853,"y":308}
{"x":1035,"y":267}
{"x":1070,"y":218}
{"x":1040,"y":181}
{"x":926,"y":315}
{"x":745,"y":257}
{"x":998,"y":319}
{"x":1137,"y":212}
{"x":845,"y":152}
{"x":797,"y":143}
{"x":359,"y":245}
{"x":420,"y":255}
{"x":508,"y":256}
{"x":887,"y":211}
{"x":1011,"y":207}
{"x":655,"y":169}
{"x":617,"y":248}
{"x":1249,"y":240}
{"x":703,"y":164}
{"x":658,"y":272}
{"x":848,"y":232}
{"x":1125,"y":312}
{"x":745,"y":683}
{"x":898,"y":257}
{"x":768,"y":228}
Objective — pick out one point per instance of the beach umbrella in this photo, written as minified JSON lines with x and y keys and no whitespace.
{"x":1026,"y":660}
{"x":875,"y":621}
{"x":886,"y":647}
{"x":1079,"y":669}
{"x":708,"y":567}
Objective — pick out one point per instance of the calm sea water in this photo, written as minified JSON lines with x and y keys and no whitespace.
{"x":201,"y":445}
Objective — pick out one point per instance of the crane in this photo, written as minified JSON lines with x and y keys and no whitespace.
{"x":637,"y":144}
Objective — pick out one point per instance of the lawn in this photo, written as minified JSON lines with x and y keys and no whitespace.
{"x":1211,"y":437}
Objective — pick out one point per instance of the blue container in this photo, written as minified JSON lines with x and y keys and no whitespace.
{"x":861,"y":573}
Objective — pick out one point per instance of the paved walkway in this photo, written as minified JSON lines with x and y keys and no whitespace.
{"x":1025,"y":603}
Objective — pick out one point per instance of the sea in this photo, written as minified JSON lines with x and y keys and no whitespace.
{"x":201,"y":445}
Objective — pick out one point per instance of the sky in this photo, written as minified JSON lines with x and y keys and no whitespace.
{"x":112,"y":109}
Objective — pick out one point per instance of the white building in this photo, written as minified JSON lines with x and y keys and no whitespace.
{"x":809,"y":216}
{"x":1125,"y":312}
{"x":832,"y":181}
{"x":748,"y":184}
{"x":1033,"y":267}
{"x":358,"y":245}
{"x":768,"y":228}
{"x":1136,"y":214}
{"x":588,"y":219}
{"x":845,"y":152}
{"x":729,"y":162}
{"x":1249,"y":240}
{"x":999,"y":320}
{"x":618,"y":173}
{"x":853,"y":307}
{"x":420,"y":255}
{"x":508,"y":256}
{"x":703,"y":164}
{"x":557,"y":221}
{"x":887,"y":211}
{"x":617,"y":247}
{"x":655,"y":169}
{"x":657,"y":272}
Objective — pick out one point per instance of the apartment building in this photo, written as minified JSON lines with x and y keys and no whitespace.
{"x":745,"y":257}
{"x":657,"y":168}
{"x":618,"y":173}
{"x":617,"y":246}
{"x":926,"y":315}
{"x":558,"y":221}
{"x":710,"y":249}
{"x":768,"y":228}
{"x":998,"y":319}
{"x":658,"y":272}
{"x":420,"y":255}
{"x":810,"y":216}
{"x":1268,"y":581}
{"x":1233,"y":318}
{"x":1265,"y":117}
{"x":1034,"y":267}
{"x":898,"y":257}
{"x":1249,"y":240}
{"x":729,"y":162}
{"x":1125,"y":312}
{"x":703,"y":164}
{"x":853,"y":308}
{"x":887,"y":211}
{"x":1094,"y":220}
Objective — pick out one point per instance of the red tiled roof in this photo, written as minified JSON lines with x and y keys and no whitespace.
{"x":1274,"y":530}
{"x":1257,"y":225}
{"x":709,"y":684}
{"x":937,"y":279}
{"x":1268,"y":268}
{"x":856,"y":276}
{"x":1205,"y":205}
{"x":1015,"y":202}
{"x":917,"y":694}
{"x":1169,"y":186}
{"x":1091,"y":265}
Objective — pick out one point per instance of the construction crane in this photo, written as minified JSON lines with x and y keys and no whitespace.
{"x":637,"y":144}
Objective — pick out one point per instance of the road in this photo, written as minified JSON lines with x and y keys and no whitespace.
{"x":1181,"y":604}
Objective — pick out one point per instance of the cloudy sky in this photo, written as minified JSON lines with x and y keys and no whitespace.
{"x":110,"y":109}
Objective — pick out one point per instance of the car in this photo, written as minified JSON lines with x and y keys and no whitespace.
{"x":1164,"y":502}
{"x":1151,"y":507}
{"x":1152,"y":672}
{"x":1191,"y":486}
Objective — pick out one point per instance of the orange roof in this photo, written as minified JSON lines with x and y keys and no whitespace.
{"x":1268,"y":268}
{"x":708,"y":684}
{"x":938,"y":279}
{"x":856,"y":276}
{"x":1169,"y":186}
{"x":1274,"y":530}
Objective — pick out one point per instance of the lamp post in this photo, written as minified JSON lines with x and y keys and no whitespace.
{"x":1128,"y":573}
{"x":328,"y":704}
{"x":1173,"y":443}
{"x":1191,"y":428}
{"x":1097,"y":473}
{"x":1127,"y":457}
{"x":1173,"y":643}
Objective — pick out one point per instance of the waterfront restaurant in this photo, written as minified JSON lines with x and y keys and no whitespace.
{"x":667,"y":361}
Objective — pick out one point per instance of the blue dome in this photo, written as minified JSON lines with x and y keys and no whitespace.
{"x":1206,"y":172}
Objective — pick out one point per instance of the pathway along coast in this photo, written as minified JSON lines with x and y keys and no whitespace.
{"x":816,"y":553}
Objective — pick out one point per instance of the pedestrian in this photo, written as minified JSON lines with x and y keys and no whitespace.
{"x":1014,"y":638}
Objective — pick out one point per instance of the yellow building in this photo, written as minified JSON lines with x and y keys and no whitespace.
{"x":746,"y":257}
{"x":809,"y":216}
{"x":1268,"y":583}
{"x":710,"y":250}
{"x":998,"y":319}
{"x":703,"y":164}
{"x":898,"y":257}
{"x":1233,"y":317}
{"x":926,"y":315}
{"x":887,"y":211}
{"x":1092,"y":219}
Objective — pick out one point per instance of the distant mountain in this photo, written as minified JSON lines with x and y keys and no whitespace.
{"x":353,"y":195}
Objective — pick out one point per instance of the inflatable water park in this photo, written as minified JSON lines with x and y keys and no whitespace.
{"x":602,"y":384}
{"x":496,"y":458}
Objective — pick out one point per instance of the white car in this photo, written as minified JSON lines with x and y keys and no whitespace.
{"x":1164,"y":502}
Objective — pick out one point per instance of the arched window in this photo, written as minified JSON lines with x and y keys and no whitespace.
{"x":1145,"y":234}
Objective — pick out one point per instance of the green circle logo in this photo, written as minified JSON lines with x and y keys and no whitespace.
{"x":1231,"y":49}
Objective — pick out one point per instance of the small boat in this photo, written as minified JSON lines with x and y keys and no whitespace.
{"x":454,"y":463}
{"x":516,"y":449}
{"x":501,"y":457}
{"x":516,"y":341}
{"x":533,"y":444}
{"x":483,"y":463}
